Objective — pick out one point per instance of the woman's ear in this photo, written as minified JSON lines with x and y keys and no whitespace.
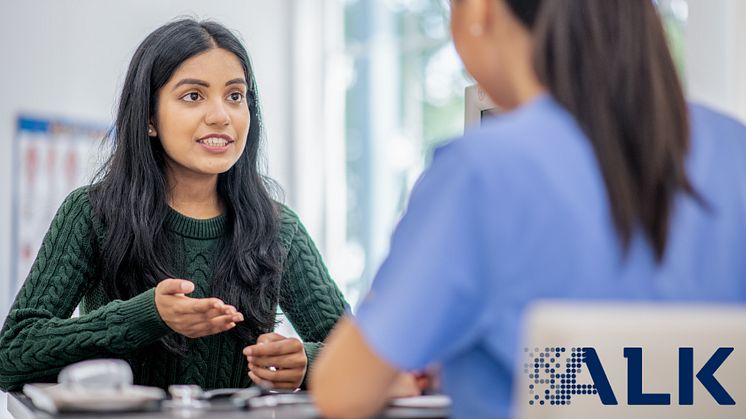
{"x":475,"y":16}
{"x":151,"y":131}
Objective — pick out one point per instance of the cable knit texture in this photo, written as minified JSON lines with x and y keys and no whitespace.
{"x":40,"y":337}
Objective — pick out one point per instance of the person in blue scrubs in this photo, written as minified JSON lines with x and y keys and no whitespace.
{"x":598,"y":181}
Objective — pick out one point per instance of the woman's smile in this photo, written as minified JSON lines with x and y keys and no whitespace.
{"x":216,"y":143}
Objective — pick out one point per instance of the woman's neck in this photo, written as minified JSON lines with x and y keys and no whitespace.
{"x":195,"y":196}
{"x":512,"y":57}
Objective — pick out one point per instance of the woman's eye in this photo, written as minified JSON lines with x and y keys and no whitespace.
{"x":236,"y":97}
{"x":191,"y":97}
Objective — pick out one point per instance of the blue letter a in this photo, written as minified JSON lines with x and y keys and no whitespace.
{"x":590,"y":358}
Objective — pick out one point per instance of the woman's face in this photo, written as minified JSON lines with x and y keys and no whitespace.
{"x":202,"y":117}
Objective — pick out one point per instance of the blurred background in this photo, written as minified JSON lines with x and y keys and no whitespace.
{"x":355,"y":93}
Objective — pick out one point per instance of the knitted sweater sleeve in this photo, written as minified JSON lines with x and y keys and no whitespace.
{"x":39,"y":336}
{"x":308,"y":296}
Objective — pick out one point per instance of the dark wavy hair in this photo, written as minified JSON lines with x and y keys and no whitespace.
{"x":130,"y":194}
{"x":608,"y":63}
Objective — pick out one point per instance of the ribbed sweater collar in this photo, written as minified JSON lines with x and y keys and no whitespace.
{"x":210,"y":228}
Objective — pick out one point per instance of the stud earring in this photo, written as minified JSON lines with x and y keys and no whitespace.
{"x":150,"y":131}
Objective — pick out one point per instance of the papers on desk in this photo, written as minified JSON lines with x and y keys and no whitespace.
{"x":433,"y":401}
{"x":56,"y":398}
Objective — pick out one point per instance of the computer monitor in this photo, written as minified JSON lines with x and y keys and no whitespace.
{"x":478,"y":106}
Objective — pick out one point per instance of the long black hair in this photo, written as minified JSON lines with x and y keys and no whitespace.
{"x":608,"y":63}
{"x":130,"y":193}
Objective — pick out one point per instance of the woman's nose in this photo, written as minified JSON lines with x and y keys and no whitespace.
{"x":217,"y":114}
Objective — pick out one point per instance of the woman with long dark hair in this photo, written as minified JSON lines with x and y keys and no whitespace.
{"x":598,"y":181}
{"x":177,"y":255}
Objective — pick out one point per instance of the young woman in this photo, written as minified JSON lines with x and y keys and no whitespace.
{"x":177,"y":255}
{"x":597,"y":182}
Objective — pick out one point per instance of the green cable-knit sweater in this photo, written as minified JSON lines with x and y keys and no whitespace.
{"x":39,"y":336}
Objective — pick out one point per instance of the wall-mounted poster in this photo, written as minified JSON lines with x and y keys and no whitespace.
{"x":51,"y":158}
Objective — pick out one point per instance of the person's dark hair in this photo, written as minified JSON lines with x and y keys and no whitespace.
{"x":608,"y":63}
{"x":130,"y":194}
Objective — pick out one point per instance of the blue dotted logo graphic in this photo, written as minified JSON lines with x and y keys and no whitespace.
{"x":552,"y":381}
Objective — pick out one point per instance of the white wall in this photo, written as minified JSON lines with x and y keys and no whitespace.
{"x":715,"y":54}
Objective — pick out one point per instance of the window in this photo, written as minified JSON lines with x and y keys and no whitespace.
{"x":675,"y":14}
{"x":404,"y":96}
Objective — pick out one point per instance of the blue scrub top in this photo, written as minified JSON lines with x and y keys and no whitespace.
{"x":518,"y":211}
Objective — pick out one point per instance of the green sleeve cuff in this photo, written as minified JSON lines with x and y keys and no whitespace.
{"x":312,"y":349}
{"x":142,"y":320}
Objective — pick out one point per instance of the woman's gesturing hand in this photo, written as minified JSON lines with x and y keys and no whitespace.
{"x":276,"y":361}
{"x":193,"y":317}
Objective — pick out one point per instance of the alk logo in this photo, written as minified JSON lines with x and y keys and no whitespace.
{"x":546,"y":369}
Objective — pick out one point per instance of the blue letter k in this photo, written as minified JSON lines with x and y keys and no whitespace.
{"x":706,"y":376}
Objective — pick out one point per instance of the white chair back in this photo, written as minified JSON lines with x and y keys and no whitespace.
{"x":570,"y":346}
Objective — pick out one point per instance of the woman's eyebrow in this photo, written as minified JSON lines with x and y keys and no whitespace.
{"x":237,"y":81}
{"x":206,"y":84}
{"x":191,"y":81}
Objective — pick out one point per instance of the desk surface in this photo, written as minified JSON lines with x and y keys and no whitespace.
{"x":20,"y":407}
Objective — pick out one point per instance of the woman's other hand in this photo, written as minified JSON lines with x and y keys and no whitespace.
{"x":277,"y":362}
{"x":406,"y":385}
{"x":193,"y":317}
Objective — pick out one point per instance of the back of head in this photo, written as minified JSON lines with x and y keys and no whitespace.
{"x":608,"y":63}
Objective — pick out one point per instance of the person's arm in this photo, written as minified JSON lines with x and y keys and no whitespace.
{"x":339,"y":392}
{"x":39,"y":337}
{"x":309,"y":297}
{"x":311,"y":301}
{"x":427,"y":301}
